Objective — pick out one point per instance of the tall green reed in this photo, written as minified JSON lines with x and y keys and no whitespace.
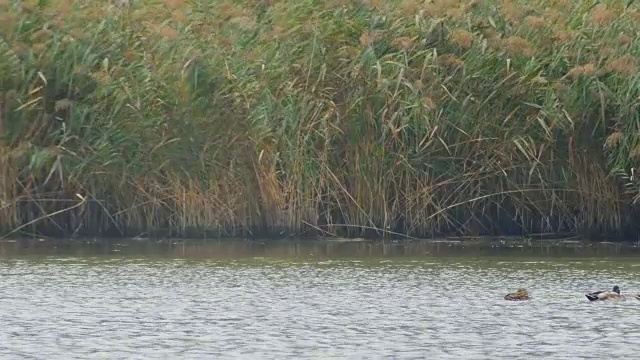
{"x":342,"y":117}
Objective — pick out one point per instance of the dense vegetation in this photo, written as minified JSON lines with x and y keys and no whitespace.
{"x":263,"y":117}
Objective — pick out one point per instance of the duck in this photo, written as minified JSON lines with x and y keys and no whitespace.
{"x":638,"y":296}
{"x":519,"y":295}
{"x":606,"y":295}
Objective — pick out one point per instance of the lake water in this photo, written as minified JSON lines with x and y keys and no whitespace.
{"x":302,"y":302}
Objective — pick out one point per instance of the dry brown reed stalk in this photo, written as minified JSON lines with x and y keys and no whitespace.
{"x":270,"y":189}
{"x":599,"y":196}
{"x":46,"y":216}
{"x":8,"y":189}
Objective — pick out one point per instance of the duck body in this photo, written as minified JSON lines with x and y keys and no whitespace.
{"x":602,"y":295}
{"x":519,"y":295}
{"x":605,"y":295}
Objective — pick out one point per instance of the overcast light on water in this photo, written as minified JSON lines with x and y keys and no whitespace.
{"x":112,"y":307}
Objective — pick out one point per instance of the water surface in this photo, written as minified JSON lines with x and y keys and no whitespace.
{"x":119,"y":306}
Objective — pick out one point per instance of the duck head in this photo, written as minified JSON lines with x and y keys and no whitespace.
{"x":616,"y":289}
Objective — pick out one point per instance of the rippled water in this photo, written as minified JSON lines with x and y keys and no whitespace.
{"x":262,"y":308}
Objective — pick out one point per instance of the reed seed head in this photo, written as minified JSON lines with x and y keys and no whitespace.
{"x":428,"y":103}
{"x":369,"y":38}
{"x":602,"y":16}
{"x":461,"y":38}
{"x":174,"y":4}
{"x":624,"y":65}
{"x":449,"y":60}
{"x":535,"y":22}
{"x":518,"y":46}
{"x":584,"y":70}
{"x":614,"y":139}
{"x":402,"y":43}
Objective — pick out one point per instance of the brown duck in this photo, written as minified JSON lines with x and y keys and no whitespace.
{"x":519,"y":295}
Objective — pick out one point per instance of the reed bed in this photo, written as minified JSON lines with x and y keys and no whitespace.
{"x":340,"y":117}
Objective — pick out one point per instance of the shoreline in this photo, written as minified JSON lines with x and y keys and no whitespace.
{"x":323,"y":247}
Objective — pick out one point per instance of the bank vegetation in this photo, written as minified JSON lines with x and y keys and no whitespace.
{"x":343,"y":117}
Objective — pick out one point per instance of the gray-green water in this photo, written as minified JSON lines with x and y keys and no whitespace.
{"x":192,"y":302}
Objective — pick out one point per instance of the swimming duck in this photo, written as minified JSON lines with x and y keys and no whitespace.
{"x":519,"y":295}
{"x":638,"y":296}
{"x":606,"y":295}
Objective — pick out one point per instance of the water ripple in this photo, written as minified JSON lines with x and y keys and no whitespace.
{"x":88,"y":308}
